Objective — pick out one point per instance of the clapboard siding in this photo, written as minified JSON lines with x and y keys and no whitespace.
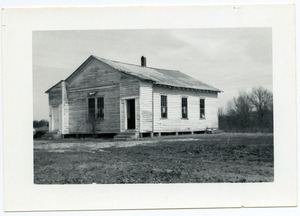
{"x":50,"y":118}
{"x":129,"y":89}
{"x":146,"y":106}
{"x":55,"y":100}
{"x":78,"y":111}
{"x":122,"y":115}
{"x":60,"y":118}
{"x":95,"y":74}
{"x":103,"y":79}
{"x":65,"y":129}
{"x":55,"y":96}
{"x":65,"y":109}
{"x":129,"y":86}
{"x":58,"y":97}
{"x":109,"y":80}
{"x":174,"y":122}
{"x":137,"y":114}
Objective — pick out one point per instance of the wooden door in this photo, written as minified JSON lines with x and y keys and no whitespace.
{"x":55,"y":118}
{"x":131,"y":114}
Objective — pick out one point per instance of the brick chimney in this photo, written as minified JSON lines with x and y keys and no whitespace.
{"x":143,"y":61}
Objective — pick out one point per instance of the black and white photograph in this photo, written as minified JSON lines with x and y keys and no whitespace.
{"x":167,"y":108}
{"x":153,"y":106}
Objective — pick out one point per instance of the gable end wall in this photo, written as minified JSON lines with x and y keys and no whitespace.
{"x":101,"y":78}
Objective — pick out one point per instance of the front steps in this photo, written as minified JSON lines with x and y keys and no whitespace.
{"x":51,"y":135}
{"x":127,"y":135}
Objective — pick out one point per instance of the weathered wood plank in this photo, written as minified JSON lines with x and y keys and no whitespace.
{"x":146,"y":106}
{"x":174,"y":122}
{"x":55,"y":96}
{"x":129,"y":88}
{"x":78,"y":111}
{"x":96,"y":74}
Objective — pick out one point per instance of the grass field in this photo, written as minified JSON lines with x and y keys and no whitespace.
{"x":183,"y":159}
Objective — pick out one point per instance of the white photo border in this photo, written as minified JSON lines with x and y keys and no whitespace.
{"x":20,"y":194}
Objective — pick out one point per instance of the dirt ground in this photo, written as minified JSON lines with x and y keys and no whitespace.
{"x":181,"y":159}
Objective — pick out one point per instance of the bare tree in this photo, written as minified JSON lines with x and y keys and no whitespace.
{"x":221,"y":111}
{"x":251,"y":111}
{"x":239,"y":109}
{"x":261,"y":98}
{"x":262,"y":102}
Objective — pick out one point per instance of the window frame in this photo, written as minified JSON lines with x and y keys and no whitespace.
{"x":187,"y":107}
{"x":96,"y":108}
{"x":200,"y":108}
{"x":99,"y":108}
{"x":165,"y":106}
{"x":90,"y":110}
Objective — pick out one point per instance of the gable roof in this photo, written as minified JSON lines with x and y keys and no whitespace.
{"x":173,"y":78}
{"x":53,"y":86}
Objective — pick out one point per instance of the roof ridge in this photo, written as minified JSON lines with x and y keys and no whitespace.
{"x":100,"y":58}
{"x":157,"y":75}
{"x":159,"y":70}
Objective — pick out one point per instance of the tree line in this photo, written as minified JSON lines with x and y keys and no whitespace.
{"x":248,"y":112}
{"x":41,"y":123}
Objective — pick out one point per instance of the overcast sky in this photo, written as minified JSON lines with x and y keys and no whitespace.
{"x":228,"y":59}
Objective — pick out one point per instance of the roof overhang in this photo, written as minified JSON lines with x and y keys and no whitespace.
{"x":188,"y":89}
{"x":142,"y":77}
{"x":69,"y":78}
{"x":53,"y":86}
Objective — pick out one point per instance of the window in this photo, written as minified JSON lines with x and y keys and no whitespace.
{"x":96,"y":108}
{"x":184,"y":107}
{"x":202,"y":108}
{"x":91,"y":105}
{"x":100,"y":108}
{"x":164,"y":106}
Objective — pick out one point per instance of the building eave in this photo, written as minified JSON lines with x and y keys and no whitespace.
{"x":53,"y":86}
{"x":188,"y":89}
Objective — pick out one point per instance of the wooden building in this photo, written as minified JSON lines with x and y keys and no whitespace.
{"x":104,"y":96}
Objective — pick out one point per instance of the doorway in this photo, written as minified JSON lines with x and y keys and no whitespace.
{"x":130,"y":113}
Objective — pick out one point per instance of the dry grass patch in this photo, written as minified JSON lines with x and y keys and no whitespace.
{"x":200,"y":158}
